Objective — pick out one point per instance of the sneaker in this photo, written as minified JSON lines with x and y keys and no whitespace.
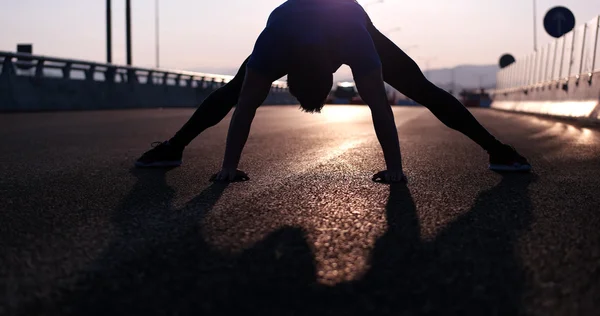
{"x":162,"y":155}
{"x":508,"y":159}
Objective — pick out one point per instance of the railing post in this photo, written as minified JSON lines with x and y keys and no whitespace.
{"x":562,"y":58}
{"x":150,"y":78}
{"x":132,"y":76}
{"x":110,"y":74}
{"x":540,"y":67}
{"x":89,"y":74}
{"x":39,"y":69}
{"x":66,"y":71}
{"x":165,"y":78}
{"x":547,"y":61}
{"x":8,"y":72}
{"x":526,"y":66}
{"x":541,"y":70}
{"x":595,"y":49}
{"x":554,"y":60}
{"x":178,"y":80}
{"x":572,"y":53}
{"x":535,"y":69}
{"x":7,"y":67}
{"x":582,"y":52}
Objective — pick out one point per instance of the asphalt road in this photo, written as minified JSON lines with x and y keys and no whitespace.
{"x":83,"y":233}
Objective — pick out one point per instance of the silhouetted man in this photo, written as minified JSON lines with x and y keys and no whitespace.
{"x":398,"y":70}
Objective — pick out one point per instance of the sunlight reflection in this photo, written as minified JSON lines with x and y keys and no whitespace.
{"x":565,"y":108}
{"x":344,"y":113}
{"x":583,"y":135}
{"x":564,"y":132}
{"x":587,"y":134}
{"x":346,"y":84}
{"x":340,"y":150}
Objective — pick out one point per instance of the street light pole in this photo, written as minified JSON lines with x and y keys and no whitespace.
{"x":128,"y":30}
{"x":108,"y":32}
{"x":157,"y":36}
{"x":534,"y":25}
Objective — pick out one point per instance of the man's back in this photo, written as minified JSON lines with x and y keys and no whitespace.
{"x":314,"y":21}
{"x":336,"y":27}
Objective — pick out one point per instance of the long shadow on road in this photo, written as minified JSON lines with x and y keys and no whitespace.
{"x":469,"y":268}
{"x":159,"y":263}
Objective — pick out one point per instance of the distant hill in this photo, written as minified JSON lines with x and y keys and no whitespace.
{"x":465,"y":76}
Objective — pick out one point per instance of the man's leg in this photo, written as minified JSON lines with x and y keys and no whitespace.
{"x":402,"y":73}
{"x":212,"y":110}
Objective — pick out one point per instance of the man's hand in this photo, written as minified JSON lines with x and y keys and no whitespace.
{"x":390,"y":177}
{"x":230,"y":175}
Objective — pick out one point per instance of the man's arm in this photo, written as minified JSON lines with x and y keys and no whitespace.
{"x":361,"y":55}
{"x":255,"y":90}
{"x":372,"y":90}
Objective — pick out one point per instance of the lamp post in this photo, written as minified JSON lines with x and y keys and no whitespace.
{"x":108,"y":32}
{"x":534,"y":25}
{"x":128,"y":30}
{"x":157,"y":34}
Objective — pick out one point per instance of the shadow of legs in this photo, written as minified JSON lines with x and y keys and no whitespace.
{"x":470,"y":268}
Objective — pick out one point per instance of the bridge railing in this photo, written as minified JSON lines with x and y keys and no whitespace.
{"x":574,"y":55}
{"x":42,"y":83}
{"x":71,"y":69}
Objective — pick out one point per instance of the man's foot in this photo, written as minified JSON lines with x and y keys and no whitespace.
{"x":506,"y":158}
{"x":162,"y":155}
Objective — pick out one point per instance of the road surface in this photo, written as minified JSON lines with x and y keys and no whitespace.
{"x":83,"y":233}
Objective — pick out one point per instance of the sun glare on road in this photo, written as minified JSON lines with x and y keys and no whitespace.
{"x":343,"y":113}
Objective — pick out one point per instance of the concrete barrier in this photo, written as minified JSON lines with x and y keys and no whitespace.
{"x":574,"y":98}
{"x":38,"y":83}
{"x":561,"y":79}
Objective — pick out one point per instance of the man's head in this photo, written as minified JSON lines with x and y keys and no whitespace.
{"x":310,"y":79}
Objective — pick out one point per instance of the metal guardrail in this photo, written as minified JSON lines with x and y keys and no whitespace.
{"x":50,"y":67}
{"x":576,"y":54}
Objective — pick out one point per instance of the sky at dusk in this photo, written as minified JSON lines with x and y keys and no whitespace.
{"x":218,"y":35}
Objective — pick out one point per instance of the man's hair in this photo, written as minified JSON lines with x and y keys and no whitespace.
{"x":310,"y":78}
